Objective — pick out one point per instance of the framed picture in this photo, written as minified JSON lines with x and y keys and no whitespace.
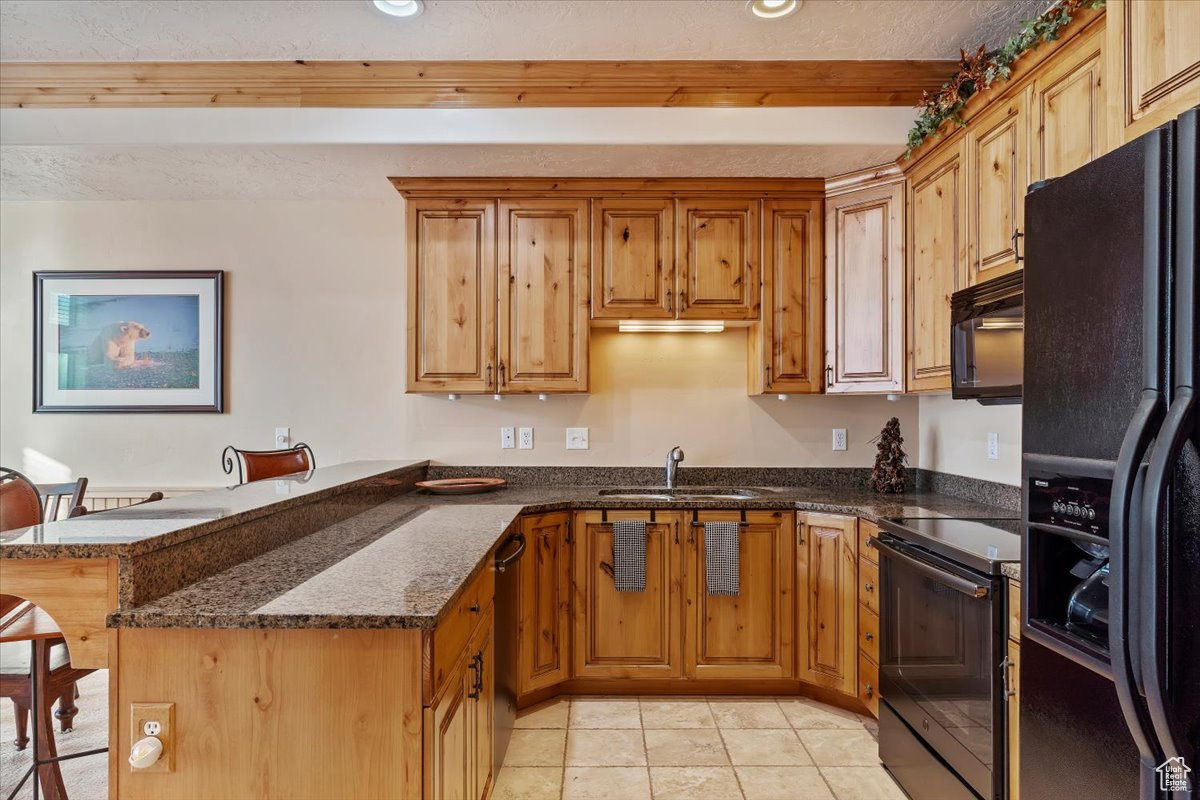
{"x":127,"y":341}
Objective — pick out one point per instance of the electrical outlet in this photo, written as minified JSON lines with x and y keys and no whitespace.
{"x":993,"y":451}
{"x":283,"y":438}
{"x":155,"y":719}
{"x":577,"y":438}
{"x":839,"y":438}
{"x":525,"y":438}
{"x":508,"y":438}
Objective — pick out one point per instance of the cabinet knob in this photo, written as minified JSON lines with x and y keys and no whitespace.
{"x":475,"y":608}
{"x":870,"y":637}
{"x":870,"y":587}
{"x":870,"y":690}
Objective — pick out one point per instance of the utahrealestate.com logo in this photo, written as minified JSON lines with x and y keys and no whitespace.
{"x":1173,"y":775}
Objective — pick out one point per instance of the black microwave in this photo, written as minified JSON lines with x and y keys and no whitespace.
{"x":987,"y":340}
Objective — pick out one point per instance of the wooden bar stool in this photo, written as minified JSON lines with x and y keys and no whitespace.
{"x":54,"y":494}
{"x":257,"y":465}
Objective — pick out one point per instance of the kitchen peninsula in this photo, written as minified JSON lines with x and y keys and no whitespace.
{"x":331,"y":634}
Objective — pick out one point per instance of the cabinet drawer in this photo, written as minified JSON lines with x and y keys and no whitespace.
{"x":455,"y":628}
{"x":868,"y":633}
{"x":868,"y":683}
{"x":1014,"y":610}
{"x":868,"y":585}
{"x":866,"y":548}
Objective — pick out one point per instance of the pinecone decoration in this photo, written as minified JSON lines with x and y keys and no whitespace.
{"x":888,"y":476}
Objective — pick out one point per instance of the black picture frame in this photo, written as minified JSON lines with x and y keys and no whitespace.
{"x":41,"y":406}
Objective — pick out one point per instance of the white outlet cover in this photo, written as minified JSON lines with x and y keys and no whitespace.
{"x":152,"y":727}
{"x":839,"y":438}
{"x":525,"y":438}
{"x":283,"y":437}
{"x":993,"y":446}
{"x":577,"y":438}
{"x":508,"y":438}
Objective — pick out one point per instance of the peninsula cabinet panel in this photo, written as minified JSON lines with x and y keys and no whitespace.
{"x":459,"y":725}
{"x":936,"y":264}
{"x":545,"y":602}
{"x":627,"y":634}
{"x":633,"y":259}
{"x":864,"y":290}
{"x":785,"y":347}
{"x":483,"y":708}
{"x":1154,"y":63}
{"x":1067,"y":109}
{"x":718,"y":246}
{"x":827,"y":600}
{"x":999,"y":173}
{"x":748,"y":635}
{"x":543,"y":272}
{"x":451,"y":296}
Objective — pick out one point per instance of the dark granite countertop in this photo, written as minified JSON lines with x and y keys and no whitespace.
{"x":404,"y":562}
{"x":1011,"y":570}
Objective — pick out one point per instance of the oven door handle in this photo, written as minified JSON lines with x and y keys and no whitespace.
{"x":955,"y":582}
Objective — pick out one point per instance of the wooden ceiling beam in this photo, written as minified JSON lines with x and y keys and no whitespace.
{"x":467,"y":84}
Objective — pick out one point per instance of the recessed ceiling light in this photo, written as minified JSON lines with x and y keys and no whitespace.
{"x":773,"y":9}
{"x":400,"y":8}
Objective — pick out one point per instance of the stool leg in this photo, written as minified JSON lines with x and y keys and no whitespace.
{"x":66,"y":711}
{"x":50,"y":776}
{"x":21,"y":713}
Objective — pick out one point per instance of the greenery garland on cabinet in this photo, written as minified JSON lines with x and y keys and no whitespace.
{"x":979,"y":71}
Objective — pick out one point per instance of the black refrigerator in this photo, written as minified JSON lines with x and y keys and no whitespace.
{"x":1110,"y":652}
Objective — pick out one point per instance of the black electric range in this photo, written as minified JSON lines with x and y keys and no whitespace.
{"x":979,"y":544}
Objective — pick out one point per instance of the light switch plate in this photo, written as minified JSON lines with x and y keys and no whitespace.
{"x":140,"y":714}
{"x":993,"y":450}
{"x":525,"y":438}
{"x":508,"y":438}
{"x":577,"y":438}
{"x":839,"y":438}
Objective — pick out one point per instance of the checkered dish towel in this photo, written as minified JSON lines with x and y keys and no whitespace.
{"x":722,"y":567}
{"x":629,"y":555}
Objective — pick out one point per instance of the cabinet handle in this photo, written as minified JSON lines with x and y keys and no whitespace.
{"x":671,"y":303}
{"x":828,"y":375}
{"x":488,"y":385}
{"x":476,"y":666}
{"x":682,"y":301}
{"x":870,"y":587}
{"x":1007,"y":666}
{"x":766,"y":375}
{"x":1016,"y":244}
{"x":503,"y":375}
{"x":870,"y":637}
{"x":870,"y":690}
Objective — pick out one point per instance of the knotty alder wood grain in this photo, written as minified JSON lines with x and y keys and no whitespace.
{"x":77,"y":593}
{"x":718,"y":250}
{"x":1067,"y":104}
{"x":633,"y":262}
{"x":544,"y":618}
{"x":826,"y":609}
{"x":462,"y":84}
{"x":999,"y":173}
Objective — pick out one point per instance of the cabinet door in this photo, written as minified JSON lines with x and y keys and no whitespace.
{"x":785,"y":347}
{"x":544,"y":619}
{"x":1013,"y":694}
{"x":936,"y":264}
{"x":449,"y":759}
{"x":543,"y":323}
{"x":750,"y":635}
{"x":633,"y":259}
{"x":483,"y":708}
{"x":999,"y":174}
{"x":1154,"y":63}
{"x":451,"y":296}
{"x":864,"y":290}
{"x":827,"y":600}
{"x":1066,"y":109}
{"x":718,"y":248}
{"x":627,"y":634}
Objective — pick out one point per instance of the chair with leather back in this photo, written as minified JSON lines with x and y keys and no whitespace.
{"x":257,"y":465}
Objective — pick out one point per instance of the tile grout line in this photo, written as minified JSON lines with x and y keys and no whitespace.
{"x":645,"y":748}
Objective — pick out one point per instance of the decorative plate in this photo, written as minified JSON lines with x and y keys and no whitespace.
{"x":462,"y":485}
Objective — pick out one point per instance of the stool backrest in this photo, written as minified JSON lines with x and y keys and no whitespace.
{"x":53,"y":495}
{"x":81,"y":511}
{"x":20,"y":503}
{"x":257,"y":465}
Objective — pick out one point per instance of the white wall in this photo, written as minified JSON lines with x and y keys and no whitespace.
{"x":953,"y":438}
{"x":315,"y":327}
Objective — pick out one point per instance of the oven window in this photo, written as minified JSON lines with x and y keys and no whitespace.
{"x":937,"y":662}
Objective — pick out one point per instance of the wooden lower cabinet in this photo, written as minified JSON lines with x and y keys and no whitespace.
{"x":544,"y":616}
{"x":1012,"y":685}
{"x":826,"y":607}
{"x":627,"y":634}
{"x":748,"y":635}
{"x":459,"y":725}
{"x":868,"y":683}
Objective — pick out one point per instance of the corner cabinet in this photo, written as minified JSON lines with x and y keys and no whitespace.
{"x":827,"y":603}
{"x":936,"y":263}
{"x":718,"y":248}
{"x":785,"y":346}
{"x":864,"y":287}
{"x":544,"y":615}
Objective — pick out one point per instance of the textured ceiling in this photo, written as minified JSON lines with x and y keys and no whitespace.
{"x":303,"y":172}
{"x":129,"y":30}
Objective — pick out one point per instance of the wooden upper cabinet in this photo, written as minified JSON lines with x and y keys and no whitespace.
{"x":718,"y":245}
{"x":748,"y":635}
{"x":543,"y":274}
{"x":451,"y":295}
{"x":998,"y":166}
{"x":627,"y":634}
{"x":1067,"y":109}
{"x":864,"y":290}
{"x":633,"y":259}
{"x":785,"y":347}
{"x":544,"y":618}
{"x":936,"y":264}
{"x":827,"y":601}
{"x":1153,"y":55}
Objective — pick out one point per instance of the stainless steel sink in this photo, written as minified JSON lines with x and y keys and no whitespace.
{"x":664,"y":494}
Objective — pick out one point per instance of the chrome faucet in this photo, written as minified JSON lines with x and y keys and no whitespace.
{"x":673,"y":459}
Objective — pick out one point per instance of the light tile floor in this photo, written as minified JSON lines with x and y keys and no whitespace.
{"x":663,"y":748}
